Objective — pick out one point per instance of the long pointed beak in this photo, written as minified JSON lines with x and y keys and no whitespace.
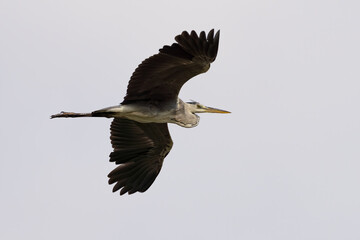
{"x":214,"y":110}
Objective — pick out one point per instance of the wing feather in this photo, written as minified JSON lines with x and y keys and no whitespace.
{"x":161,"y":76}
{"x":140,"y":149}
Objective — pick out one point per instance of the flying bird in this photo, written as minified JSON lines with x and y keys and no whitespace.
{"x":139,"y":131}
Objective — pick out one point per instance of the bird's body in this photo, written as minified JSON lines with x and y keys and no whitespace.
{"x":177,"y":112}
{"x":139,"y":131}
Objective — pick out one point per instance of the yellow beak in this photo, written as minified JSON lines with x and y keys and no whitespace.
{"x":214,"y":110}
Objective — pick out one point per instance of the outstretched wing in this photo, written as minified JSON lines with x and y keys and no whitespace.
{"x":140,"y":149}
{"x":161,"y":76}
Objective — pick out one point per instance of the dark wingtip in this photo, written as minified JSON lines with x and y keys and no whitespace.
{"x":210,"y":36}
{"x":214,"y":50}
{"x":200,"y":45}
{"x":217,"y":36}
{"x":194,"y":34}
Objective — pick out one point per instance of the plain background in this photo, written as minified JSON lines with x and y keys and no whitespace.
{"x":283,"y":165}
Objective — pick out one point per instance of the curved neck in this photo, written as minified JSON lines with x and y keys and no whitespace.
{"x":185,"y":115}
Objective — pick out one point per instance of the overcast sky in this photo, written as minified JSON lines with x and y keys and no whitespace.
{"x":284,"y":165}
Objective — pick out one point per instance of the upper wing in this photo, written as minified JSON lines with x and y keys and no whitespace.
{"x":161,"y":76}
{"x":140,"y":149}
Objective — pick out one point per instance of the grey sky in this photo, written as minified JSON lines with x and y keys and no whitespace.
{"x":283,"y":165}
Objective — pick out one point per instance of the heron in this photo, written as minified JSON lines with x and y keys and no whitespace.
{"x":139,"y":130}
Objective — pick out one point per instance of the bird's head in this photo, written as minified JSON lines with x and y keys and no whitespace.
{"x":196,"y":107}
